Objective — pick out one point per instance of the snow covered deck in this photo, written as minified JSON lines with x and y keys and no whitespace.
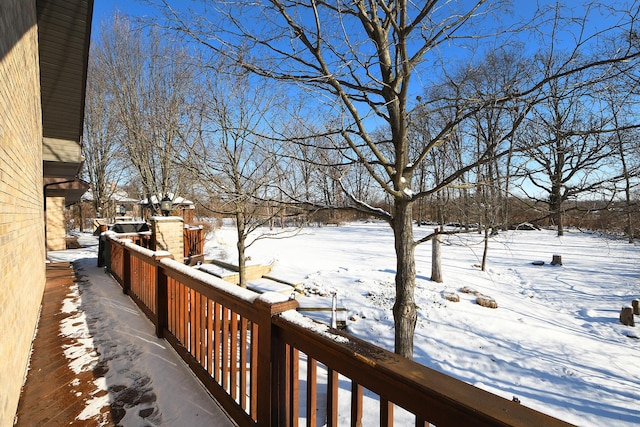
{"x":96,"y":361}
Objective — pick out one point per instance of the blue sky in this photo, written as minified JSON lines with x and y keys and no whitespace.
{"x":103,"y":9}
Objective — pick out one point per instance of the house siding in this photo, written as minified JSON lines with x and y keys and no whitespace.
{"x":22,"y":240}
{"x":56,"y":233}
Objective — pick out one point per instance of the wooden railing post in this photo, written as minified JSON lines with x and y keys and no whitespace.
{"x":272,"y":402}
{"x":186,"y":237}
{"x":279,"y":384}
{"x":162,"y":296}
{"x":103,"y":246}
{"x":264,"y":365}
{"x":200,"y":241}
{"x":126,"y":270}
{"x":162,"y":302}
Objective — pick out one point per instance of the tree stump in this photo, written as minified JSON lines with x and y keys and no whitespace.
{"x":557,"y":260}
{"x":636,"y":306}
{"x":436,"y":264}
{"x":626,"y":316}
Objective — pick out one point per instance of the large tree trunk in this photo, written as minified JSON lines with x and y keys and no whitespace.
{"x":627,"y":194}
{"x":404,"y":310}
{"x":560,"y":221}
{"x":242,"y":268}
{"x":555,"y":208}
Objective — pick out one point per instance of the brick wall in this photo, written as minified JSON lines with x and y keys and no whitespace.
{"x":168,"y":233}
{"x":56,"y":233}
{"x":22,"y":247}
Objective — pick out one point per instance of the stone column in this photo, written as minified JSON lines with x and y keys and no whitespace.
{"x":168,"y":233}
{"x":56,"y":233}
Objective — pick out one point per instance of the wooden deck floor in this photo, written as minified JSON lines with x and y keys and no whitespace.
{"x":54,"y":395}
{"x":58,"y":393}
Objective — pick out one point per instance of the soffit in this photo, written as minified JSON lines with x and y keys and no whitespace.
{"x":71,"y":190}
{"x":64,"y":31}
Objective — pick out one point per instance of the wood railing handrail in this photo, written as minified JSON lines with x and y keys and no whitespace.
{"x":277,"y":334}
{"x":425,"y":392}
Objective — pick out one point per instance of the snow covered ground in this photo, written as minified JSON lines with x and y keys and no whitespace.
{"x":554,"y":342}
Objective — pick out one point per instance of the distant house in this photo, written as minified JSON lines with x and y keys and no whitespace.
{"x":180,"y":207}
{"x":119,"y":205}
{"x":44,"y":46}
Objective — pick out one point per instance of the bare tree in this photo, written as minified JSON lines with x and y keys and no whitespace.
{"x":502,"y":71}
{"x":236,"y":159}
{"x":103,"y":165}
{"x":567,"y":142}
{"x":367,"y":60}
{"x":310,"y":182}
{"x":155,"y":89}
{"x":619,"y":102}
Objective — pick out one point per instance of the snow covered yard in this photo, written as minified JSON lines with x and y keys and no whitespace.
{"x":554,"y":342}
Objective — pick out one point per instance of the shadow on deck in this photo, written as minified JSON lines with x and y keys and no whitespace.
{"x":69,"y":383}
{"x":53,"y":394}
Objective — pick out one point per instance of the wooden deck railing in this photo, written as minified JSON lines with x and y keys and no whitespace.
{"x":268,"y":365}
{"x":193,"y":241}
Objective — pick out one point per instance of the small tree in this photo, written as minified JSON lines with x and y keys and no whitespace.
{"x":625,"y":139}
{"x":235,"y":160}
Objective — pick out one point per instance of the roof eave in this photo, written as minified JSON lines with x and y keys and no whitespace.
{"x":64,"y":32}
